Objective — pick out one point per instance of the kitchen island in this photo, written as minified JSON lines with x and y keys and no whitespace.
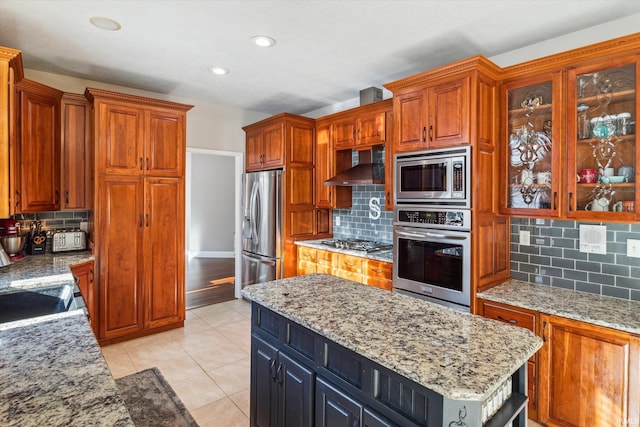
{"x":357,"y":355}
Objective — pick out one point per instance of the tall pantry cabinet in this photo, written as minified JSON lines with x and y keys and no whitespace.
{"x":139,"y":151}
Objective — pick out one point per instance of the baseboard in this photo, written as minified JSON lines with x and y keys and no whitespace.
{"x":211,"y":254}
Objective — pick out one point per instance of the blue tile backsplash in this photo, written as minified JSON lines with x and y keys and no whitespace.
{"x":554,"y":258}
{"x":359,"y":222}
{"x":362,"y":220}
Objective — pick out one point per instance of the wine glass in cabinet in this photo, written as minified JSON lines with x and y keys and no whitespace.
{"x":602,"y":158}
{"x":531,"y":137}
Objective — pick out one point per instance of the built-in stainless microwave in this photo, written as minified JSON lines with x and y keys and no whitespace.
{"x":434,"y":177}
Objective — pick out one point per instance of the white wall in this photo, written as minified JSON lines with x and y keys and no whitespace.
{"x":209,"y":126}
{"x":212,"y":220}
{"x":600,"y":33}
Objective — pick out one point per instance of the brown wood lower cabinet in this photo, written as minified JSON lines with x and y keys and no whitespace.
{"x":140,"y":255}
{"x":84,"y":276}
{"x":589,"y":375}
{"x":362,"y":270}
{"x":584,"y":375}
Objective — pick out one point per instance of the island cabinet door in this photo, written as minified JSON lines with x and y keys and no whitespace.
{"x":588,"y":375}
{"x":335,"y":408}
{"x":296,"y":393}
{"x":264,"y":388}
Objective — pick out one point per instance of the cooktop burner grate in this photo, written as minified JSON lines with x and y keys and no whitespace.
{"x":357,"y":245}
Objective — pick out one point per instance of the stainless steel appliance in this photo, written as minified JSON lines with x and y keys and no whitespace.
{"x":63,"y":241}
{"x":434,"y":178}
{"x":262,"y":243}
{"x":432,"y":253}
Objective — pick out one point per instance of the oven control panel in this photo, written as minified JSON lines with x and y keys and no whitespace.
{"x":424,"y":217}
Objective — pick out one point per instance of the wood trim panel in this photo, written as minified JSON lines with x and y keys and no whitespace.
{"x":92,"y":94}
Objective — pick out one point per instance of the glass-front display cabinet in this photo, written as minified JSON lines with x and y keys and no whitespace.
{"x":533,"y":144}
{"x":601,"y":139}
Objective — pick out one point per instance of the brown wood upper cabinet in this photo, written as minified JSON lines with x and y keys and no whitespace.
{"x":432,"y":116}
{"x":265,"y":147}
{"x":363,"y":126}
{"x":76,"y":152}
{"x":137,"y":139}
{"x":36,"y":154}
{"x":560,"y":118}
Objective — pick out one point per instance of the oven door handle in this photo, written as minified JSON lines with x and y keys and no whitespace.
{"x":407,"y":234}
{"x":403,"y":233}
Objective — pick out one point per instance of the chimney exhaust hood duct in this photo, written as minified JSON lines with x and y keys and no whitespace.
{"x":365,"y":172}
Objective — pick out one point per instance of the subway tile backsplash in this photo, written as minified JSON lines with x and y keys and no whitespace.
{"x":53,"y":220}
{"x":359,"y":222}
{"x":554,"y":258}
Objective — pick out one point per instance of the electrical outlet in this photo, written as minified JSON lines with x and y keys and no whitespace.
{"x":338,"y":221}
{"x":633,"y":248}
{"x":525,"y":238}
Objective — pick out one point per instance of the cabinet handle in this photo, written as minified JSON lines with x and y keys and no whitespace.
{"x":147,"y":163}
{"x":555,"y":200}
{"x":141,"y":163}
{"x":376,"y":271}
{"x":91,"y":277}
{"x":348,"y":264}
{"x":544,"y":329}
{"x":57,"y":198}
{"x":272,"y":369}
{"x":358,"y":135}
{"x":512,"y":321}
{"x":66,"y":197}
{"x":141,"y":219}
{"x":18,"y":198}
{"x":430,"y":133}
{"x":279,"y":374}
{"x":147,"y":219}
{"x":570,"y":201}
{"x":424,"y":134}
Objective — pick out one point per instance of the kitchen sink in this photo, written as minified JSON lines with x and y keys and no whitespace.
{"x":27,"y":303}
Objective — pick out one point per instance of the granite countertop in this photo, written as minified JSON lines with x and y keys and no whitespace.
{"x":52,"y":373}
{"x":600,"y":310}
{"x":385,"y":255}
{"x":459,"y":355}
{"x":41,"y":270}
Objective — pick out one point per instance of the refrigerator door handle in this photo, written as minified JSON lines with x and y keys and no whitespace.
{"x":253,"y":217}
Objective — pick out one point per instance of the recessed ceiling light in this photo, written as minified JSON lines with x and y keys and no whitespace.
{"x":263,"y":41}
{"x":105,"y":23}
{"x":220,"y":71}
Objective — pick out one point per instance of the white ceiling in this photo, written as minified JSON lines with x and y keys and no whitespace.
{"x":326,"y":51}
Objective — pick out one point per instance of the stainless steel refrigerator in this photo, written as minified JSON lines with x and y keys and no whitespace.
{"x":262,"y":243}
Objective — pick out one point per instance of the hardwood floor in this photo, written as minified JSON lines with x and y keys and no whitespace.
{"x":200,"y":274}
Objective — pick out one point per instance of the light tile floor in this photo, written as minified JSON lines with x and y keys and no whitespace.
{"x":207,"y":362}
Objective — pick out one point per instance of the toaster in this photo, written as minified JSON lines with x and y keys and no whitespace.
{"x":68,"y":241}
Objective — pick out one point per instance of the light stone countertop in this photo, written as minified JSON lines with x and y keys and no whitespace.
{"x":41,"y":270}
{"x":599,"y":310}
{"x":386,"y":255}
{"x":459,"y":355}
{"x":53,"y":374}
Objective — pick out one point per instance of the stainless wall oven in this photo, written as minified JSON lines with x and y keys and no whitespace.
{"x":432,"y":254}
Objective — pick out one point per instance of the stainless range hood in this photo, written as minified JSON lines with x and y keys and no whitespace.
{"x":365,"y":172}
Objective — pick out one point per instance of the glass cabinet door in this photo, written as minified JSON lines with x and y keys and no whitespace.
{"x":601,"y":140}
{"x":532,"y":126}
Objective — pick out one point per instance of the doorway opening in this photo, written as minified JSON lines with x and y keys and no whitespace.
{"x":213,"y":206}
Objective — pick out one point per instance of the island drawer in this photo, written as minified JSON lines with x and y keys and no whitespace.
{"x":352,"y":264}
{"x":380,"y":269}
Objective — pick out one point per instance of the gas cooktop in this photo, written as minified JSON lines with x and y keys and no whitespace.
{"x":357,"y":245}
